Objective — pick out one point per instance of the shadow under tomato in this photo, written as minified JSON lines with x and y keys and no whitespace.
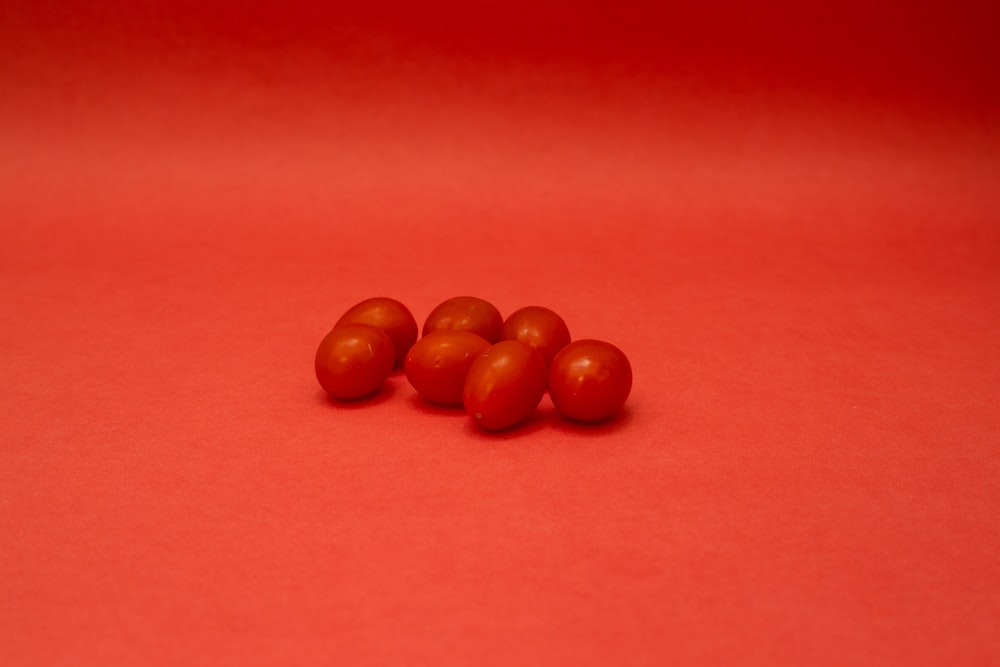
{"x":384,"y":393}
{"x":612,"y":424}
{"x":538,"y":420}
{"x":427,"y":407}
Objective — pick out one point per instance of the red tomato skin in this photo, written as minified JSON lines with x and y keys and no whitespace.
{"x":466,"y":313}
{"x":504,"y":386}
{"x":437,"y":364}
{"x":589,"y":380}
{"x":539,"y":327}
{"x":389,"y":315}
{"x":353,"y":361}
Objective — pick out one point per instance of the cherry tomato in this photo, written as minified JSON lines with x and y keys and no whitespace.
{"x":538,"y":327}
{"x":589,"y":380}
{"x":504,"y":385}
{"x":437,"y":364}
{"x":466,"y":313}
{"x":390,"y":316}
{"x":353,"y":360}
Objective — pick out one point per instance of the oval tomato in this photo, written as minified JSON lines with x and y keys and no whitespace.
{"x":539,"y":327}
{"x":589,"y":380}
{"x":353,"y":360}
{"x":390,"y":316}
{"x":466,"y":313}
{"x":504,"y":385}
{"x":437,"y":364}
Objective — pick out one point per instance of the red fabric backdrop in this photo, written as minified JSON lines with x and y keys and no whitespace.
{"x":787,"y":216}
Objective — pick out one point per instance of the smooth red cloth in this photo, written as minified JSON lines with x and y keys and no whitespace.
{"x":788,"y":218}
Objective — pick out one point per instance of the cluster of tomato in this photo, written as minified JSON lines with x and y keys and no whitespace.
{"x":470,"y":356}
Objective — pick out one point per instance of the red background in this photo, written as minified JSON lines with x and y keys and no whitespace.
{"x":787,"y":216}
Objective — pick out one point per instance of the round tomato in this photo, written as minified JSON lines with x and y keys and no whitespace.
{"x":504,"y":385}
{"x":353,"y":360}
{"x":538,"y":327}
{"x":390,"y":316}
{"x":589,"y":380}
{"x":466,"y":313}
{"x":437,"y":364}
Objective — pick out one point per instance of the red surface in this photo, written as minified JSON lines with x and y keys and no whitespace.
{"x":788,"y":219}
